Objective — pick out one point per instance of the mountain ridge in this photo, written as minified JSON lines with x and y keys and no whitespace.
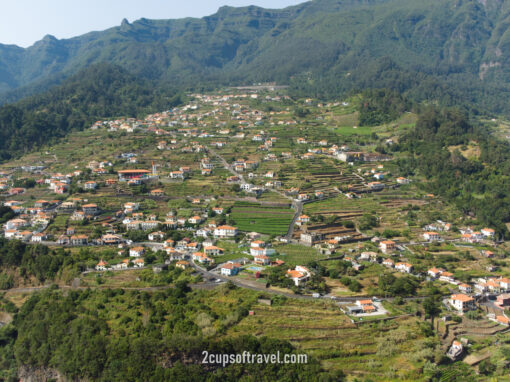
{"x":462,"y":43}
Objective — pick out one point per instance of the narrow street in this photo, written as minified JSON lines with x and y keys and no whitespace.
{"x":296,"y":205}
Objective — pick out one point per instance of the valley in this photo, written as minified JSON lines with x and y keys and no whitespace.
{"x":256,"y":191}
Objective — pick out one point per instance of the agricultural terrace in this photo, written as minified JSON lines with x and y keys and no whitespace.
{"x":263,"y":219}
{"x":391,"y":350}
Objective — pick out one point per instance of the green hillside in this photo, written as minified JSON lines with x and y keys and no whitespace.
{"x":100,"y":91}
{"x":454,"y":50}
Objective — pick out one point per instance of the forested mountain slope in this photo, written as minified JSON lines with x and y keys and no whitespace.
{"x":453,"y":50}
{"x":100,"y":91}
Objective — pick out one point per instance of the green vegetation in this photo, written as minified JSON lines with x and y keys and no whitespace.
{"x":34,"y":260}
{"x":381,"y":106}
{"x":295,"y":254}
{"x":6,"y":213}
{"x":258,"y":218}
{"x":453,"y":176}
{"x":100,"y":91}
{"x":159,"y":332}
{"x":388,"y":350}
{"x":126,"y":335}
{"x":336,"y":46}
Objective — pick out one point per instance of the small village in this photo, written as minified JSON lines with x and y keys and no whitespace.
{"x":221,"y":188}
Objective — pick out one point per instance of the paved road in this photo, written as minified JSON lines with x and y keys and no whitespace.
{"x":226,"y":165}
{"x":296,"y":205}
{"x":212,"y":280}
{"x":210,"y":275}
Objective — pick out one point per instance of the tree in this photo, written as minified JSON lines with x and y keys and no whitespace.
{"x":432,"y":307}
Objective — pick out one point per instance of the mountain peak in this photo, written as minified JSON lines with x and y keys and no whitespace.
{"x":49,"y":37}
{"x":125,"y":25}
{"x":46,"y":40}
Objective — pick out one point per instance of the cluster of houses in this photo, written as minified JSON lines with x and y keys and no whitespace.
{"x":29,"y":221}
{"x":471,"y":236}
{"x":468,"y":234}
{"x":230,"y":116}
{"x":220,"y":109}
{"x":124,"y":264}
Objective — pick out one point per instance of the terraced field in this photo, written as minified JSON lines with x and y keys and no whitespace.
{"x":253,"y":217}
{"x":322,"y":330}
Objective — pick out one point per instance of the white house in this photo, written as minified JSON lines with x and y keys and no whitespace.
{"x":225,"y":231}
{"x":140,"y":263}
{"x":487,"y":232}
{"x":218,"y":210}
{"x":504,"y":283}
{"x":203,"y":232}
{"x":136,"y":251}
{"x":388,"y":263}
{"x":431,"y":236}
{"x":375,"y":185}
{"x":404,"y":267}
{"x":39,"y":237}
{"x":90,"y":209}
{"x":131,"y":207}
{"x":447,"y":277}
{"x":156,"y":236}
{"x":122,"y":265}
{"x":465,"y":288}
{"x":149,"y":224}
{"x":435,"y":272}
{"x":195,"y":219}
{"x":230,"y":269}
{"x":461,"y":302}
{"x":303,"y":219}
{"x":261,"y":260}
{"x":133,"y":224}
{"x":101,"y":266}
{"x":402,"y":180}
{"x":202,"y":258}
{"x":212,"y":250}
{"x":90,"y":185}
{"x":299,"y":275}
{"x":15,"y":224}
{"x":177,"y":175}
{"x":387,"y":246}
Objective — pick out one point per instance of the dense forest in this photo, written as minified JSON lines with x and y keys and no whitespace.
{"x":380,"y":106}
{"x":479,"y":186}
{"x":136,"y":336}
{"x":36,"y":261}
{"x":100,"y":91}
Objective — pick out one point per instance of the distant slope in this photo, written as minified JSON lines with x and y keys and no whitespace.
{"x":456,"y":50}
{"x":100,"y":91}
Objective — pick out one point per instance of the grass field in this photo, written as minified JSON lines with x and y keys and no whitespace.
{"x":268,"y":220}
{"x":350,"y":130}
{"x":294,"y":254}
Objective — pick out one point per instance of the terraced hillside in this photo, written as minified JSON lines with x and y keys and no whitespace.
{"x":321,"y":329}
{"x":263,"y":219}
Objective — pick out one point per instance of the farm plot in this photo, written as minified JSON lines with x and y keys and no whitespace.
{"x":319,"y":328}
{"x":262,"y":219}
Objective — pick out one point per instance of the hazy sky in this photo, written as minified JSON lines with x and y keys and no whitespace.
{"x":22,"y":22}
